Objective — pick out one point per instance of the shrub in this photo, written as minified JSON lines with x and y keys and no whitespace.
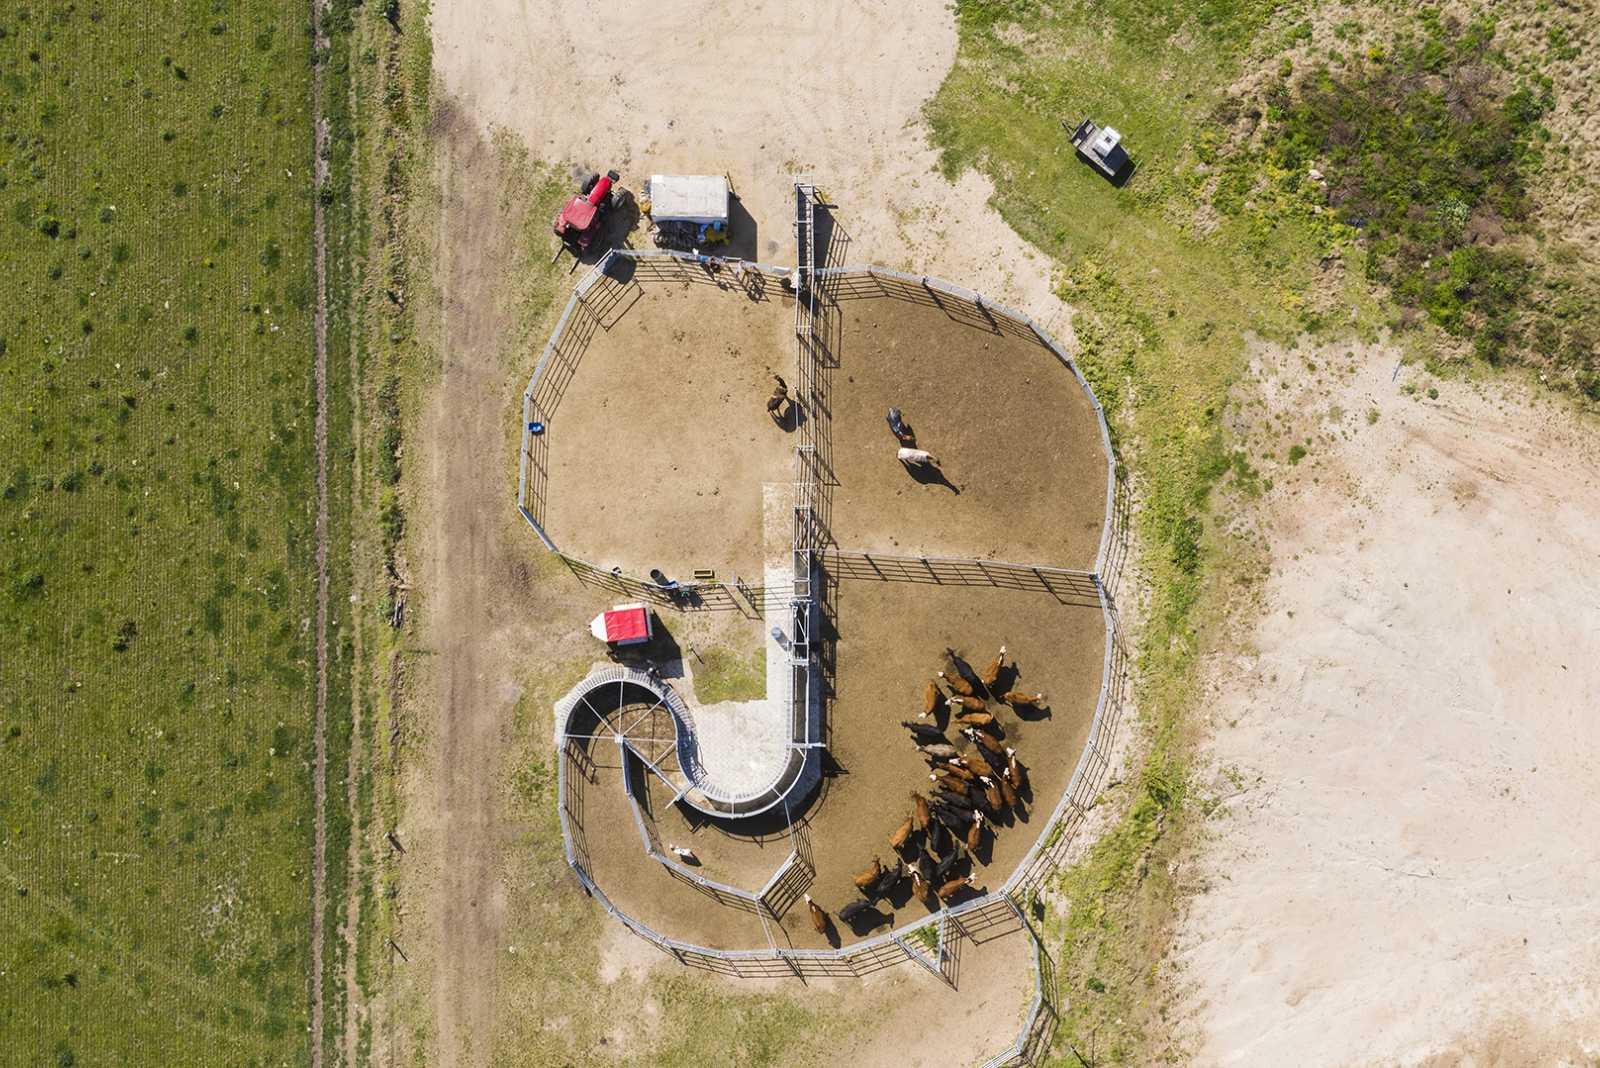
{"x":391,"y":518}
{"x":28,"y":585}
{"x":1424,"y":151}
{"x":126,"y":632}
{"x":389,"y":455}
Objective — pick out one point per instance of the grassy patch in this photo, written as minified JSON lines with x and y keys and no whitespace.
{"x":1424,"y":150}
{"x":1426,"y":140}
{"x":925,"y":938}
{"x":386,"y":53}
{"x":156,"y":573}
{"x":1426,"y":145}
{"x":724,"y":675}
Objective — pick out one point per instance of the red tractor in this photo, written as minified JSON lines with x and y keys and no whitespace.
{"x":580,"y":222}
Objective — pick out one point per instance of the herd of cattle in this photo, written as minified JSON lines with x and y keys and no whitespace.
{"x":972,"y":791}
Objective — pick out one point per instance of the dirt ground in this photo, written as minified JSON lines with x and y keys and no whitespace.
{"x":661,"y":442}
{"x":1406,"y":870}
{"x":892,"y":640}
{"x":898,"y":1016}
{"x":537,"y":69}
{"x":1021,"y":455}
{"x":946,"y":1026}
{"x":752,"y":89}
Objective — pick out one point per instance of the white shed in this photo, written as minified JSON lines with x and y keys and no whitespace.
{"x":693,"y":198}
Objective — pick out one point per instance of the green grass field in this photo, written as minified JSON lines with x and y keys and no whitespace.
{"x":157,"y":578}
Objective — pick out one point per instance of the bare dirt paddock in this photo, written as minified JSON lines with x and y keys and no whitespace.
{"x":892,"y":637}
{"x":1023,"y":469}
{"x":659,"y":444}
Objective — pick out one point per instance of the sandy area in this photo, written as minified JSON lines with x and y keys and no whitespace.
{"x":763,"y":91}
{"x":1407,"y":868}
{"x":909,"y":1018}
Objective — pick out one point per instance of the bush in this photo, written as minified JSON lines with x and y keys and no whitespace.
{"x":1422,"y":152}
{"x":391,"y":518}
{"x":28,"y":585}
{"x":389,"y":455}
{"x":124,"y":636}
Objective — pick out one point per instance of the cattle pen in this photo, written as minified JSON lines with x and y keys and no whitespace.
{"x":659,"y":742}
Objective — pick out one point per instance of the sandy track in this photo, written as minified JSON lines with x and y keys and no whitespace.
{"x":1409,"y":866}
{"x":463,"y":569}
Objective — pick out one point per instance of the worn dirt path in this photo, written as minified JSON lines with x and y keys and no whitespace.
{"x":319,"y":857}
{"x":466,"y":611}
{"x":1407,"y":868}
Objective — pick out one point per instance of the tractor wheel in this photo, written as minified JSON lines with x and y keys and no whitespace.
{"x":588,"y":184}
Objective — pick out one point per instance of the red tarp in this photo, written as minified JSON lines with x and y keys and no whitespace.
{"x":627,"y":624}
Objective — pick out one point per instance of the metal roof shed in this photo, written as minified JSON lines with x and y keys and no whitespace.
{"x":695,"y":198}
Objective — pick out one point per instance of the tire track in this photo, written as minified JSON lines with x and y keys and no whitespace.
{"x":351,"y":931}
{"x":319,"y":858}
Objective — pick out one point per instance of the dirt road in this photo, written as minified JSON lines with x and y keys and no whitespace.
{"x":465,"y":618}
{"x":1407,"y":870}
